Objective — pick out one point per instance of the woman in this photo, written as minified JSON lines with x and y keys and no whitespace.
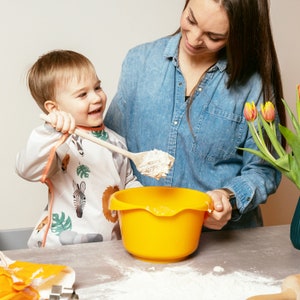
{"x":185,"y":94}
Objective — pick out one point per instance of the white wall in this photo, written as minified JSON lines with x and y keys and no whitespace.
{"x":103,"y":31}
{"x":285,"y":22}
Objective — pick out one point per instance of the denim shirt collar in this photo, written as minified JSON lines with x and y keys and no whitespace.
{"x":171,"y":52}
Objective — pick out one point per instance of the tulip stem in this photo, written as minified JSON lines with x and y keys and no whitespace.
{"x":258,"y":138}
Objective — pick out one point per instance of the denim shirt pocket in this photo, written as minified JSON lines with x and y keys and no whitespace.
{"x":218,"y":133}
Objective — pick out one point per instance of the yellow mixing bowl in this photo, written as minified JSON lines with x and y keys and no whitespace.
{"x":159,"y":223}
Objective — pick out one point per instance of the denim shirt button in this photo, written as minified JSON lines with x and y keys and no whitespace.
{"x":175,"y":123}
{"x":180,"y":83}
{"x":200,"y":89}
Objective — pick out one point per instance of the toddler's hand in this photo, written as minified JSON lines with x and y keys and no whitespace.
{"x":62,"y":121}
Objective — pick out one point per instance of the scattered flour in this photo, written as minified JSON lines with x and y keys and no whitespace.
{"x":184,"y":282}
{"x":218,"y":269}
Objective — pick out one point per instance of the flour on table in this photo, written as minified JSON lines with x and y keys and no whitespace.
{"x":182,"y":282}
{"x":218,"y":269}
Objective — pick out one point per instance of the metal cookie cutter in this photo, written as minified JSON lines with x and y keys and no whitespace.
{"x":60,"y":293}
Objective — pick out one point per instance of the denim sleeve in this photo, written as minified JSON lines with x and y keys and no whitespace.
{"x":257,"y":181}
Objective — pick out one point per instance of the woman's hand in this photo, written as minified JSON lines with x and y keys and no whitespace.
{"x":221,"y":214}
{"x":62,"y":121}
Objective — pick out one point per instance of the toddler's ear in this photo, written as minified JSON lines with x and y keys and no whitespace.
{"x":50,"y":106}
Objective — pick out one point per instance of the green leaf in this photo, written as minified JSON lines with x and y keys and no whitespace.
{"x":281,"y":164}
{"x":284,"y":163}
{"x":292,"y":117}
{"x":101,"y":134}
{"x":257,"y":153}
{"x":294,"y":174}
{"x":293,"y":140}
{"x":60,"y":223}
{"x":83,"y":171}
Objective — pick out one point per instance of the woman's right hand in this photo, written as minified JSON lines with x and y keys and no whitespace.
{"x":222,"y":210}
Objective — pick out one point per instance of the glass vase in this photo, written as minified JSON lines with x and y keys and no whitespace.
{"x":295,"y":227}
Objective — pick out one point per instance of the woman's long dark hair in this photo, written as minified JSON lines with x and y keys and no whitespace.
{"x":250,"y":48}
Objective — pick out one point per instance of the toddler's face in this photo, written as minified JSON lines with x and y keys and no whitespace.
{"x":83,"y":98}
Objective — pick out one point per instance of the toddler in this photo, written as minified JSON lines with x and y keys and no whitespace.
{"x":80,"y":174}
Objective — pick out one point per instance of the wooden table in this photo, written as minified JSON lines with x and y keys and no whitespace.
{"x":266,"y":251}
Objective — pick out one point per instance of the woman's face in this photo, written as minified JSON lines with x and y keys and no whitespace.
{"x":204,"y":27}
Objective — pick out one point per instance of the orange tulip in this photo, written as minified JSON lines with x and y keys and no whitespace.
{"x":287,"y":161}
{"x":250,"y":111}
{"x":268,"y":111}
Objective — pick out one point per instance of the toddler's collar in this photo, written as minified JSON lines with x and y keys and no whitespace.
{"x":99,"y":128}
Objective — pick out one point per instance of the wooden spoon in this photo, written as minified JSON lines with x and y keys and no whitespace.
{"x":154,"y":163}
{"x":290,"y":290}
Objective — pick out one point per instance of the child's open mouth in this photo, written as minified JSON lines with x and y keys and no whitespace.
{"x":97,"y":111}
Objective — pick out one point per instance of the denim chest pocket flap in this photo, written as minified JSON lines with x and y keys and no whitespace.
{"x":218,"y":133}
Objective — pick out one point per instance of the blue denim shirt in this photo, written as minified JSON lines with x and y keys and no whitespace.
{"x":150,"y":111}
